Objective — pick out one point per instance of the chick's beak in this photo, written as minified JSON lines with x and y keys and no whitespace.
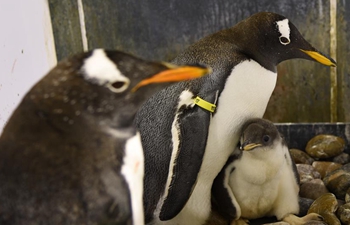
{"x":246,"y":146}
{"x":174,"y":75}
{"x":317,"y":56}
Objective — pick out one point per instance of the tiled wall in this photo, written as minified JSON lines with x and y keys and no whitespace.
{"x":159,"y":30}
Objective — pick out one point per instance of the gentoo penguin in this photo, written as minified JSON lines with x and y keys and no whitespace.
{"x":69,"y":153}
{"x":188,"y":130}
{"x":259,"y":179}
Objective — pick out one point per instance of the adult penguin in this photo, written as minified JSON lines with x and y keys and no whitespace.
{"x":69,"y":153}
{"x":188,"y":130}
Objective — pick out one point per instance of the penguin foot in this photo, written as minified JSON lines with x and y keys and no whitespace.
{"x":240,"y":221}
{"x":295,"y":220}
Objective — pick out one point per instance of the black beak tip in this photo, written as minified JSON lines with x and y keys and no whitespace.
{"x":334,"y":62}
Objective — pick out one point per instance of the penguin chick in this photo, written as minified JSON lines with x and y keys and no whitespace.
{"x":69,"y":154}
{"x":262,"y":178}
{"x":189,"y":129}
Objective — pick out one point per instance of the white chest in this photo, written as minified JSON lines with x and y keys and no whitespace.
{"x":133,"y":172}
{"x":246,"y":94}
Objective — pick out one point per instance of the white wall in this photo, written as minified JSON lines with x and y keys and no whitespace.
{"x":26,"y":50}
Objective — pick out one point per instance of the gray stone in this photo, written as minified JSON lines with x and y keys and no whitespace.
{"x":300,"y":157}
{"x":313,"y":189}
{"x":343,"y":158}
{"x":307,"y":173}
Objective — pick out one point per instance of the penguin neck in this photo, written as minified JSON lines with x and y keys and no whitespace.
{"x":252,"y":46}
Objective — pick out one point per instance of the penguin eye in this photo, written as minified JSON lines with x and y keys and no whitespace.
{"x":284,"y":40}
{"x":266,"y":138}
{"x":118,"y":86}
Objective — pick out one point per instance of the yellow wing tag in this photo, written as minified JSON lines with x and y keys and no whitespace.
{"x":204,"y":104}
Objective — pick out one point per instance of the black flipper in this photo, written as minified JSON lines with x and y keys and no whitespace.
{"x":223,"y":199}
{"x":193,"y":124}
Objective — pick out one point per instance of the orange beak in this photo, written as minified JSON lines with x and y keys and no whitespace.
{"x":174,"y":75}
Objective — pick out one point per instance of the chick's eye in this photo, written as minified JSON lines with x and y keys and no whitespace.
{"x":266,"y":138}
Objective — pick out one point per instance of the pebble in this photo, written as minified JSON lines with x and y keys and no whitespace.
{"x":343,"y":158}
{"x":307,"y":173}
{"x":325,"y":203}
{"x":300,"y":157}
{"x":304,"y":204}
{"x":324,"y":168}
{"x":325,"y":206}
{"x":338,"y":181}
{"x":325,"y":146}
{"x":347,"y":196}
{"x":343,"y":213}
{"x":312,"y":189}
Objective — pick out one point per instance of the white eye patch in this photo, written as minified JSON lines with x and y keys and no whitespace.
{"x":103,"y":71}
{"x":284,"y":30}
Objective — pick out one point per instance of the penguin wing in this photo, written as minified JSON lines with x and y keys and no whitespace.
{"x":223,"y":199}
{"x":189,"y":133}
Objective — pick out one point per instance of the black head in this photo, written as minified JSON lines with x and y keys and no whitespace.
{"x":270,"y":38}
{"x":258,"y":133}
{"x":99,"y":84}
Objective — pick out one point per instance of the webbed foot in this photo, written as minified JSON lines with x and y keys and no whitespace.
{"x":295,"y":220}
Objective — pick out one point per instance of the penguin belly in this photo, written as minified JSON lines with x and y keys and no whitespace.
{"x":245,"y":95}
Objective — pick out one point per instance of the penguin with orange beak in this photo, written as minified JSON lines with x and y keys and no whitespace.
{"x":70,"y":154}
